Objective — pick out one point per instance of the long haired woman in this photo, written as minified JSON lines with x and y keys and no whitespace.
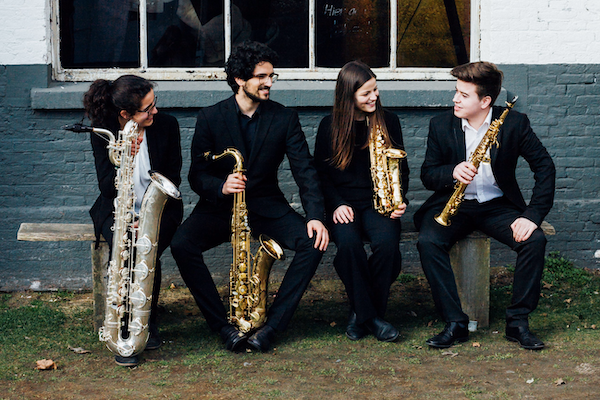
{"x":342,"y":159}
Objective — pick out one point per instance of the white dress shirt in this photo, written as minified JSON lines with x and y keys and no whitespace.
{"x":483,"y":187}
{"x":141,"y":175}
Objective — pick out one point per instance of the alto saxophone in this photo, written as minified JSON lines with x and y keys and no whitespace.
{"x":489,"y":139}
{"x":249,"y":275}
{"x":134,"y":248}
{"x":385,"y":173}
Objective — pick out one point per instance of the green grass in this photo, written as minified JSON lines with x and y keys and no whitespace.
{"x":313,"y":353}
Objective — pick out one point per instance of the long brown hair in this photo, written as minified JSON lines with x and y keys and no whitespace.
{"x":352,"y":77}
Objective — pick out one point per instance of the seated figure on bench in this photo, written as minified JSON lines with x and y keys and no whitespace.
{"x":493,"y":202}
{"x":110,"y":105}
{"x":342,"y":158}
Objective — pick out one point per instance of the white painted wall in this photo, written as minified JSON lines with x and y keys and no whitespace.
{"x":512,"y":31}
{"x":24,"y":32}
{"x":540,"y":31}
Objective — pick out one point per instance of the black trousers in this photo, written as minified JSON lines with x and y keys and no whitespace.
{"x":201,"y":232}
{"x":494,"y":219}
{"x":367,"y":279}
{"x":168,"y":226}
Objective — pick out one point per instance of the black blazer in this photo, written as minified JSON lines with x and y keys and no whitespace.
{"x":338,"y":186}
{"x":446,"y":149}
{"x":164,"y":148}
{"x":278,"y":134}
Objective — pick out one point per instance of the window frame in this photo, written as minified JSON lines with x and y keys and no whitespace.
{"x":314,"y":73}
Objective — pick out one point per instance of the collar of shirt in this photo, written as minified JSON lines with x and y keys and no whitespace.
{"x":484,"y":127}
{"x":242,"y":115}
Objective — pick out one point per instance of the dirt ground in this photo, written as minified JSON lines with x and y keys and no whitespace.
{"x":314,"y":360}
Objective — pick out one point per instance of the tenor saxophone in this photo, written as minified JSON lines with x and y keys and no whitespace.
{"x":385,"y":173}
{"x":249,"y":275}
{"x":134,"y":247}
{"x":489,"y":139}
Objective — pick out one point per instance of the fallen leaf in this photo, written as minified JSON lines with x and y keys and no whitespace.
{"x":568,"y":301}
{"x":559,"y":382}
{"x":172,"y":286}
{"x":476,"y":344}
{"x":79,"y":350}
{"x":547,"y":285}
{"x":45,"y":364}
{"x":531,"y":380}
{"x":593,"y":327}
{"x":430,"y":323}
{"x":332,"y":324}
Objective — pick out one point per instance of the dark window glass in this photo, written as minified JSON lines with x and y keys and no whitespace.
{"x":433,"y":33}
{"x":353,"y":29}
{"x":99,"y":33}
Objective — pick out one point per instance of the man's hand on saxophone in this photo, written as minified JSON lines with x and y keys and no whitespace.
{"x":464,"y":172}
{"x":235,"y":183}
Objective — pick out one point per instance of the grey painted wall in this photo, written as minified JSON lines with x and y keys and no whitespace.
{"x":47,"y":175}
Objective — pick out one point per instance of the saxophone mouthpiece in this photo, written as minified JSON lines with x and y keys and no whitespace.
{"x":512,"y":102}
{"x":78,"y":128}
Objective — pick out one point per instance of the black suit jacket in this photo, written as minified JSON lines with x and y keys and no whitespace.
{"x":446,"y":149}
{"x":164,"y":148}
{"x":278,"y":134}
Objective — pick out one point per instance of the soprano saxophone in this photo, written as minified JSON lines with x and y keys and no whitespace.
{"x":134,"y":248}
{"x":385,"y":173}
{"x":489,"y":139}
{"x":249,"y":275}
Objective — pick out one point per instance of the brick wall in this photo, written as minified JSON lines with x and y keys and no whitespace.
{"x":47,"y":174}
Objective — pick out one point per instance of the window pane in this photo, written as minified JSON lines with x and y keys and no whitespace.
{"x":187,"y":33}
{"x":99,"y":33}
{"x":353,"y":29}
{"x":282,"y":25}
{"x":433,"y":33}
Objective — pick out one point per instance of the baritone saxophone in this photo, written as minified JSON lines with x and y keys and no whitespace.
{"x":385,"y":173}
{"x":489,"y":139}
{"x":249,"y":275}
{"x":134,"y":248}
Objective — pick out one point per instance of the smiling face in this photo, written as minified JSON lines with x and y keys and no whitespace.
{"x":255,"y":88}
{"x":468,"y":105}
{"x":365,"y":98}
{"x":147,"y":110}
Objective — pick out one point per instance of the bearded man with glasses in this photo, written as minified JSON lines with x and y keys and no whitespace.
{"x":264,"y":132}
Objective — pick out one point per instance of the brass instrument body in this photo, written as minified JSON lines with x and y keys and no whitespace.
{"x":489,"y":139}
{"x":248,"y":275}
{"x":385,"y":173}
{"x":134,"y":249}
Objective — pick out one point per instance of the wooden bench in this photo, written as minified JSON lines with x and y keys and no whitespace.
{"x":470,"y":259}
{"x":76,"y":232}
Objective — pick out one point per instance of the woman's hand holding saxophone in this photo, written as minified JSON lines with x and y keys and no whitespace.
{"x":398,"y":212}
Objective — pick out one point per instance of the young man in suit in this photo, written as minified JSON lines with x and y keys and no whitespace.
{"x":264,"y":132}
{"x":493,"y":201}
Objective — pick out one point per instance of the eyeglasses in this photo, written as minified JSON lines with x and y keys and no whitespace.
{"x":264,"y":77}
{"x":150,"y":107}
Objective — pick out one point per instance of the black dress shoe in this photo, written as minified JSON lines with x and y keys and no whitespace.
{"x":383,"y":331}
{"x":234,"y":340}
{"x":262,"y":338}
{"x":453,"y":332}
{"x":524,"y":337}
{"x":355,"y":331}
{"x":127,"y":361}
{"x":154,"y":341}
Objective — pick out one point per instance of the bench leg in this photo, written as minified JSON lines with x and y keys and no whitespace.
{"x":99,"y":271}
{"x":470,"y":260}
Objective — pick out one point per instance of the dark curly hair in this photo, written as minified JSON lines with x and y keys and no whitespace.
{"x":105,"y":99}
{"x":244,"y":58}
